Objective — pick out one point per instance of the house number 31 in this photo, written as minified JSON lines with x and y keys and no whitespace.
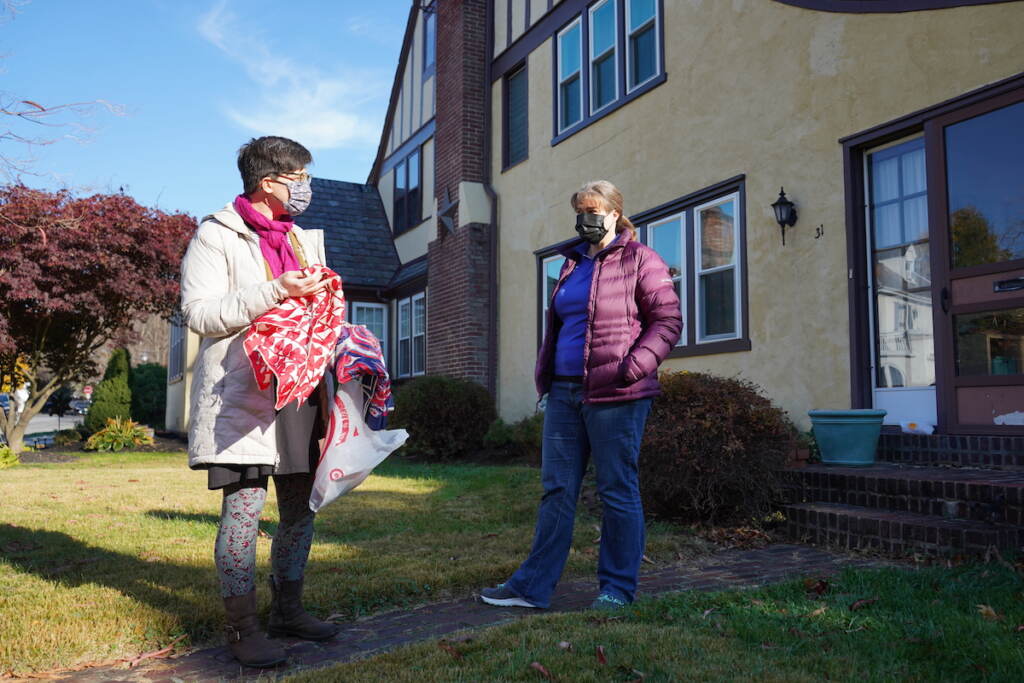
{"x":819,"y":231}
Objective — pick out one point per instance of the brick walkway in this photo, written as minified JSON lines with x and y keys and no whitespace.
{"x":727,"y":569}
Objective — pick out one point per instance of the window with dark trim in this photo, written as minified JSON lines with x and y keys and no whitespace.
{"x":408,"y":199}
{"x":429,"y":38}
{"x":620,"y":44}
{"x":516,"y":119}
{"x":702,"y":239}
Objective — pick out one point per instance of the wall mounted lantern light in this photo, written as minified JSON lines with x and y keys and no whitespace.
{"x":785,"y":213}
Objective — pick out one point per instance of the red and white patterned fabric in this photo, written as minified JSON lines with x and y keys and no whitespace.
{"x":295,"y":341}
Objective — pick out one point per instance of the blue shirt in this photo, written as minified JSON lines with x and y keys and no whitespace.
{"x":571,"y":304}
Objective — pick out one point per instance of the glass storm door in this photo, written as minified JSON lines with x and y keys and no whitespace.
{"x":976,"y":172}
{"x":903,"y":354}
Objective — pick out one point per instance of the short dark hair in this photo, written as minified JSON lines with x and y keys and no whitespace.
{"x":269,"y":155}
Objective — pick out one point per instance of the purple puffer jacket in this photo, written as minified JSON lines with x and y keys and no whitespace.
{"x":633,"y":322}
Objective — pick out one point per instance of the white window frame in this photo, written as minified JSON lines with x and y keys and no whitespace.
{"x":683,"y":260}
{"x":400,"y":337}
{"x":613,"y":51}
{"x":418,"y":333}
{"x":545,"y":298}
{"x":656,"y":19}
{"x":577,"y":23}
{"x":381,"y":307}
{"x":736,"y":265}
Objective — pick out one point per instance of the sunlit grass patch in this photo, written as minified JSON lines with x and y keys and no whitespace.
{"x":111,"y":555}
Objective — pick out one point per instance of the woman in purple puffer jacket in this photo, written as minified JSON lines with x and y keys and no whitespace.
{"x":613,"y":318}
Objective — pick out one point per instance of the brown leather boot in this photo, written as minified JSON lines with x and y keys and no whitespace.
{"x":245,"y":637}
{"x":288,"y":618}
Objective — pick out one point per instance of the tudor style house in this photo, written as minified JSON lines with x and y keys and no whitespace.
{"x":896,"y":127}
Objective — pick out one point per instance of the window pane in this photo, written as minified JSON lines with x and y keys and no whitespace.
{"x":372,"y":317}
{"x":990,"y":343}
{"x":718,"y":303}
{"x":887,"y":225}
{"x":404,"y":357}
{"x":419,"y":316}
{"x":413,"y":203}
{"x":570,"y":95}
{"x":569,"y":52}
{"x":603,"y":81}
{"x":643,"y":56}
{"x":717,"y":237}
{"x":602,"y":28}
{"x":419,"y":354}
{"x":516,"y":125}
{"x":984,"y":171}
{"x":903,"y":317}
{"x":885,"y":173}
{"x":429,"y":38}
{"x":914,"y":179}
{"x":915,"y":218}
{"x":399,"y":217}
{"x":666,"y":240}
{"x":404,"y":320}
{"x":639,"y":12}
{"x":551,"y":270}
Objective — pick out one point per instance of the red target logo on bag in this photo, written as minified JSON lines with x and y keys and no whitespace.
{"x":336,"y":474}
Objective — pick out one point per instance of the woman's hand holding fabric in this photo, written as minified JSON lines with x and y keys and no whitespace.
{"x":299,"y":283}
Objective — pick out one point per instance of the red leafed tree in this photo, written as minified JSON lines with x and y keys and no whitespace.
{"x":75,"y":273}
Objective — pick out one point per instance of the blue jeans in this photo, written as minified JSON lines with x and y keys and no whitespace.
{"x":573,"y":433}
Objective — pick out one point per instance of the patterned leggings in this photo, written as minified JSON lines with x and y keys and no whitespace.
{"x":235,"y":550}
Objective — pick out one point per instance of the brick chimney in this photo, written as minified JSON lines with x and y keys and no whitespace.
{"x":462,"y":274}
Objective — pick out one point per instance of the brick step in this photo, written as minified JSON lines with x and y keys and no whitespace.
{"x":999,"y":452}
{"x":982,"y":495}
{"x":854,"y":527}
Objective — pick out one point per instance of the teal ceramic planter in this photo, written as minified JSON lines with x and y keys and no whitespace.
{"x":847,"y":437}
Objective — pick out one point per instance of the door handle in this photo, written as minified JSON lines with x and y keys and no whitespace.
{"x":1011,"y":285}
{"x":944,"y":299}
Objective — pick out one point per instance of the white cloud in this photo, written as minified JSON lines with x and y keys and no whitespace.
{"x":297,"y":100}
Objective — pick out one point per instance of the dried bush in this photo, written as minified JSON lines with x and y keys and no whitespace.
{"x":712,"y":450}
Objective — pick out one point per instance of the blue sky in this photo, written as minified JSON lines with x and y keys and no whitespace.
{"x":188,"y":81}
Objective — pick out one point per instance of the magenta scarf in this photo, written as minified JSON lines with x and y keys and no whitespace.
{"x":274,"y":244}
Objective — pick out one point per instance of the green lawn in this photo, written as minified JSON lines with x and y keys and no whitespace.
{"x":111,"y":556}
{"x":963,"y":624}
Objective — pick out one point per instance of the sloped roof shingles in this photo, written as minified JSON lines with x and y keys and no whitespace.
{"x":357,"y":237}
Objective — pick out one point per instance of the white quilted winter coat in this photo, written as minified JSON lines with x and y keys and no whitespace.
{"x":224,"y":287}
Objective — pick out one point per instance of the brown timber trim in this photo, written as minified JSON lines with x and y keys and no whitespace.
{"x":396,"y":89}
{"x":883,"y":6}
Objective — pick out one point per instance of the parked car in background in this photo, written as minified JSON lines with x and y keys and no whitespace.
{"x":5,"y":402}
{"x":80,"y":406}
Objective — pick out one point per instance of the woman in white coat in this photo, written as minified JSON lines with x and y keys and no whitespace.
{"x":242,"y":262}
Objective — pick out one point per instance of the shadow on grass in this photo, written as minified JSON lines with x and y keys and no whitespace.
{"x":66,"y":561}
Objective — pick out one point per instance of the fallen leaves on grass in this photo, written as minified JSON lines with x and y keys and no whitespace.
{"x":707,"y":612}
{"x":599,"y":652}
{"x":539,"y":668}
{"x":565,"y":645}
{"x":862,"y":603}
{"x":21,"y":547}
{"x":988,"y":613}
{"x":737,"y":537}
{"x":163,"y":652}
{"x":816,"y":586}
{"x":818,"y":612}
{"x":450,"y":650}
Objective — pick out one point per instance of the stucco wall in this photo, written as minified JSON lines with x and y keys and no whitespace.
{"x":762,"y":89}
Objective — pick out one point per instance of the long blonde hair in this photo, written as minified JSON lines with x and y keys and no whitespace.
{"x":612,"y":198}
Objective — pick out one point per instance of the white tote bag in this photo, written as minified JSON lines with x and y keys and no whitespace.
{"x":351,"y":449}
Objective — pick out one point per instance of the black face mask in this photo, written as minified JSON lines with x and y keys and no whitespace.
{"x":590,"y":226}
